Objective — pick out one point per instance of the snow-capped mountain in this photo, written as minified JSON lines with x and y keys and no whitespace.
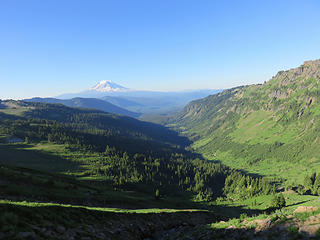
{"x":108,"y":86}
{"x":139,"y":101}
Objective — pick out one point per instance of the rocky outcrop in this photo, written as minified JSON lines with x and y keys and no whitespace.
{"x":278,"y":94}
{"x":306,"y":70}
{"x":259,"y":229}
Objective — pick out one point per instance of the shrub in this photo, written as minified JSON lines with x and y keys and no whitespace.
{"x":157,"y":194}
{"x":293,"y":230}
{"x":278,"y":202}
{"x":243,"y":216}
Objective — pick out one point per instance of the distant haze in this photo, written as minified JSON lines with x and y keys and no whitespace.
{"x":134,"y":101}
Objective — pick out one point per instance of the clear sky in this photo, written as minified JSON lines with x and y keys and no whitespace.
{"x":52,"y":47}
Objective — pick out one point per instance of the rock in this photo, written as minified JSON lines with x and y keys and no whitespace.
{"x":231,"y":227}
{"x":262,"y":223}
{"x":311,"y":230}
{"x":278,"y":94}
{"x":101,"y":236}
{"x":141,"y":228}
{"x":313,"y":220}
{"x":36,"y":228}
{"x":186,"y":237}
{"x":61,"y":229}
{"x":26,"y":235}
{"x":302,"y":209}
{"x":91,"y":229}
{"x":69,"y":234}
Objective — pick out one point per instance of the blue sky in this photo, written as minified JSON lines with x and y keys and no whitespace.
{"x":53,"y":47}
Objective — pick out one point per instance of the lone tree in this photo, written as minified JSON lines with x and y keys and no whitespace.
{"x":278,"y":201}
{"x":157,"y":194}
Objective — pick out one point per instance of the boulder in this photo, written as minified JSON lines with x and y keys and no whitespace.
{"x":302,"y":209}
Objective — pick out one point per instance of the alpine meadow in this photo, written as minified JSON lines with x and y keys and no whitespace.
{"x":207,"y":127}
{"x":267,"y":129}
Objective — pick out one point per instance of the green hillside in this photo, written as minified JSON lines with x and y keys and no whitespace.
{"x":271,"y":129}
{"x":116,"y":130}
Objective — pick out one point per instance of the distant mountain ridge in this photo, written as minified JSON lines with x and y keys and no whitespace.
{"x":157,"y":102}
{"x":140,"y":100}
{"x":90,"y":103}
{"x":263,"y":128}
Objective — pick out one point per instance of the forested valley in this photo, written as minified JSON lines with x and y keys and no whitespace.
{"x":239,"y":164}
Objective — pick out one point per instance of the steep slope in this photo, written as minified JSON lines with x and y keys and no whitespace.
{"x":270,"y":129}
{"x":92,"y":103}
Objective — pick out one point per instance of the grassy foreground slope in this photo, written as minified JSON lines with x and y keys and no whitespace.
{"x":27,"y":220}
{"x":270,"y":129}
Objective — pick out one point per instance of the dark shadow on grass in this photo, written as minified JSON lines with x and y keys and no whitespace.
{"x":18,"y":155}
{"x":294,"y":204}
{"x":114,"y":225}
{"x":229,"y":212}
{"x":23,"y":184}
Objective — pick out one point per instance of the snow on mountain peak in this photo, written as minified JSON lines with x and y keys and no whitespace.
{"x":108,"y":86}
